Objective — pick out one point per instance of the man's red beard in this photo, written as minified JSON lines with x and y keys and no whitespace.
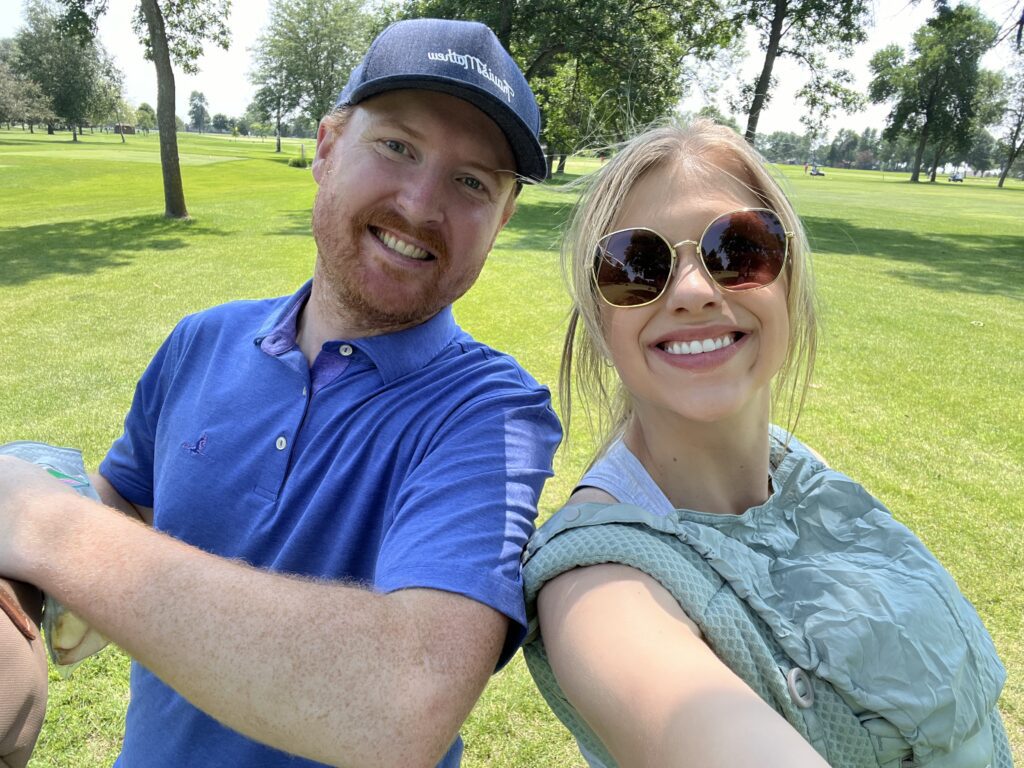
{"x":339,"y":266}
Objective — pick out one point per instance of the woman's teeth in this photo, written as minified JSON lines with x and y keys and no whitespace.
{"x":696,"y":347}
{"x":404,"y":248}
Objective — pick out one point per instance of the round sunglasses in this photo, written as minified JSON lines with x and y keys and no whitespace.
{"x":739,"y":251}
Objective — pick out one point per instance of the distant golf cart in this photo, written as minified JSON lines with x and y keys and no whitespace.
{"x":956,"y":177}
{"x":816,"y":171}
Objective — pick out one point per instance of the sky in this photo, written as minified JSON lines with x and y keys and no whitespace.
{"x":223,"y":75}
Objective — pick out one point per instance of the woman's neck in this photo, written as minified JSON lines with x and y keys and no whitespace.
{"x":720,"y":467}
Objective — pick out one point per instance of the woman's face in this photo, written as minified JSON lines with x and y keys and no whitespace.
{"x":654,"y":347}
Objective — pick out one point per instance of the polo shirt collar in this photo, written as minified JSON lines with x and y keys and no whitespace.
{"x":394,"y":354}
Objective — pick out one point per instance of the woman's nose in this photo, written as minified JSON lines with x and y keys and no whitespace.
{"x":690,"y":289}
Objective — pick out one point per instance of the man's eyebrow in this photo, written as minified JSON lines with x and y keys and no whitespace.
{"x":397,"y":123}
{"x":385,"y":121}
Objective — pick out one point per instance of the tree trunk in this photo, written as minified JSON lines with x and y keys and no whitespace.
{"x":503,"y":30}
{"x":935,"y":164}
{"x":764,"y":81}
{"x":1015,"y":148}
{"x":915,"y":175}
{"x":74,"y":133}
{"x":278,"y":119}
{"x":561,"y":164}
{"x":174,"y":195}
{"x":551,"y":165}
{"x":49,"y":129}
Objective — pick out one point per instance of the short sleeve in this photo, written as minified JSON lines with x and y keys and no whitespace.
{"x":129,"y":464}
{"x":465,"y":513}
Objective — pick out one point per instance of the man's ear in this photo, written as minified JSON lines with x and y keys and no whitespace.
{"x":325,"y":138}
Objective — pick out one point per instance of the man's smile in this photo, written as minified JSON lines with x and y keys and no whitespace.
{"x":401,"y":246}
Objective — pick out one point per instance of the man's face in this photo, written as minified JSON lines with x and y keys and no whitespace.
{"x":413,"y":191}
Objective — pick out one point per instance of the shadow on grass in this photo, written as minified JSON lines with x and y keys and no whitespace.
{"x":988,"y":264}
{"x":297,"y":223}
{"x":82,"y":247}
{"x":537,"y":224}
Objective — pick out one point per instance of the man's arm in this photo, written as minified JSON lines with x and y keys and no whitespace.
{"x":112,"y":498}
{"x":328,"y":671}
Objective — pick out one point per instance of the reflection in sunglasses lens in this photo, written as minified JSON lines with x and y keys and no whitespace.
{"x":633,"y":267}
{"x":744,"y":249}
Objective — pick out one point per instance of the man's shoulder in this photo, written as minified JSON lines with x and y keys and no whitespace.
{"x":239,"y":315}
{"x":481,"y":358}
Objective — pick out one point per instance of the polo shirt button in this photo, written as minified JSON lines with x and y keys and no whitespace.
{"x":281,"y":443}
{"x":345,"y":350}
{"x":304,"y":391}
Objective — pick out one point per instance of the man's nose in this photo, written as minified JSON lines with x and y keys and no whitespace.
{"x":421,"y":197}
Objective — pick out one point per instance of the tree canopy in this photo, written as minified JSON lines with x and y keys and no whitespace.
{"x":599,"y":68}
{"x":75,"y":76}
{"x":939,"y":92}
{"x":810,"y":32}
{"x":197,"y":113}
{"x":302,"y":65}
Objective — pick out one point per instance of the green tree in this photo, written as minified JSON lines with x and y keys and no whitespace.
{"x":21,"y":99}
{"x":1013,"y":119}
{"x":981,"y":153}
{"x":939,"y":90}
{"x":107,"y":104}
{"x":73,"y":74}
{"x":599,"y":68}
{"x":842,"y":150}
{"x":304,"y":56}
{"x":145,"y":118}
{"x":713,"y":113}
{"x":168,"y":29}
{"x":197,"y":114}
{"x":811,"y":32}
{"x":785,"y":147}
{"x":268,"y":106}
{"x":220,"y":123}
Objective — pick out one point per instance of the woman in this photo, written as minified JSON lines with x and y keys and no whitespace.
{"x":22,"y":672}
{"x":713,"y":594}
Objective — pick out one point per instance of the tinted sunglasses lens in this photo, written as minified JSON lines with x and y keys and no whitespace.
{"x":632,"y":267}
{"x":744,"y":249}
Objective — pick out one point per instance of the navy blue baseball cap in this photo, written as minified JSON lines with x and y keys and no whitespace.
{"x":464,"y":59}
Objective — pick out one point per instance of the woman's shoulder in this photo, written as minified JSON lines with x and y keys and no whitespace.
{"x":588,"y":494}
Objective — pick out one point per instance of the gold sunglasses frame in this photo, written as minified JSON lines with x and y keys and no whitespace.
{"x":673,"y":249}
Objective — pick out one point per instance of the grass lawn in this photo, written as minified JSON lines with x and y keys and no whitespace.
{"x":918,"y":390}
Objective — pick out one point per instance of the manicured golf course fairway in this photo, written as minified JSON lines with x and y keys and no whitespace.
{"x":918,"y":393}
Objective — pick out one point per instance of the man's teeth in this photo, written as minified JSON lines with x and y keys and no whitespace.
{"x":696,"y":347}
{"x":404,"y":248}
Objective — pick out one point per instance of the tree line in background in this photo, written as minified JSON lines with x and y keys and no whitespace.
{"x":601,"y":69}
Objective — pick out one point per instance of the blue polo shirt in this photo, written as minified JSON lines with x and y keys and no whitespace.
{"x":412,"y":459}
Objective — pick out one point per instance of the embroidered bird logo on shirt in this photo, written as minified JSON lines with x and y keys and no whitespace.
{"x":199,"y":449}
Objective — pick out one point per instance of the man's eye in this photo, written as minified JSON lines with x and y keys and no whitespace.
{"x":473,"y":183}
{"x":396,"y":146}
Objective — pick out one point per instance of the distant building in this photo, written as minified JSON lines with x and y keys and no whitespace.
{"x":127,"y":130}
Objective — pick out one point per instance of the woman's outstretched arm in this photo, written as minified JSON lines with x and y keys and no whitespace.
{"x":638,"y":671}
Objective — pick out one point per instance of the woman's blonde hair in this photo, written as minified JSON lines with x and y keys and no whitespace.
{"x":707,"y":151}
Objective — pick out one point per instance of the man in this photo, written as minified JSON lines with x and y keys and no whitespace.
{"x":351,"y":434}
